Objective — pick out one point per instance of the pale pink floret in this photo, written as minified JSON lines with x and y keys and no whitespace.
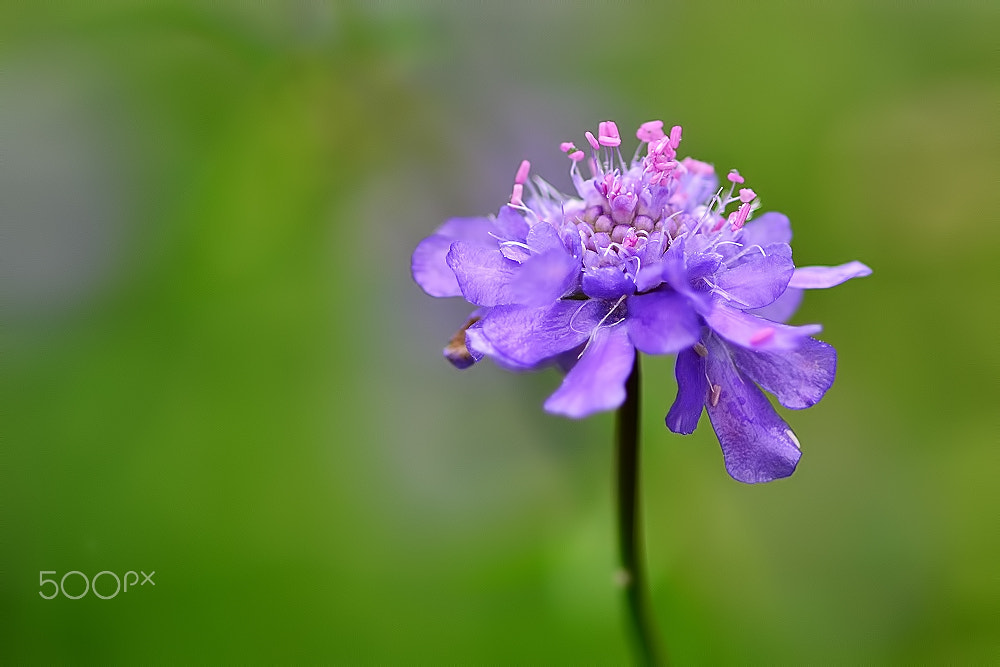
{"x":650,"y":131}
{"x":697,"y":166}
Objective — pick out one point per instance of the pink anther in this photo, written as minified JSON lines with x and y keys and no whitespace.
{"x":607,"y":134}
{"x":651,"y":130}
{"x":576,"y":156}
{"x":675,"y":136}
{"x":734,"y":177}
{"x":762,"y":335}
{"x":566,"y":146}
{"x":592,"y":141}
{"x":515,"y":195}
{"x":747,"y":195}
{"x":522,"y":172}
{"x":738,"y":217}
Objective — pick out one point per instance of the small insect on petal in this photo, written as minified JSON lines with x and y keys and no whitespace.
{"x":700,"y":350}
{"x":713,"y":395}
{"x":456,"y":351}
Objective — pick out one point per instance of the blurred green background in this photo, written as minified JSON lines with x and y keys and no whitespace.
{"x":217,"y":367}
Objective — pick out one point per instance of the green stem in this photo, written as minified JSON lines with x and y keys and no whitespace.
{"x":630,"y":544}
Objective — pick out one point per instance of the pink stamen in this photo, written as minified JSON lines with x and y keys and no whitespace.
{"x":762,"y":335}
{"x":607,"y":134}
{"x":650,"y":131}
{"x":734,"y":177}
{"x":675,"y":136}
{"x":566,"y":146}
{"x":515,"y":195}
{"x":522,"y":172}
{"x":739,"y":217}
{"x":747,"y":195}
{"x":576,"y":156}
{"x":592,"y":141}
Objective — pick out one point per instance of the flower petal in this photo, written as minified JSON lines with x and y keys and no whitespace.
{"x":756,"y":443}
{"x":678,"y":274}
{"x":483,"y":274}
{"x":782,"y":309}
{"x":692,"y":388}
{"x":772,"y":227}
{"x":606,"y":282}
{"x":820,"y":277}
{"x":597,"y":381}
{"x":511,"y":225}
{"x":544,"y":278}
{"x":755,"y":333}
{"x":661,"y":322}
{"x":543,"y":237}
{"x":527,"y":335}
{"x":760,"y":278}
{"x":798,"y":378}
{"x":428,"y":264}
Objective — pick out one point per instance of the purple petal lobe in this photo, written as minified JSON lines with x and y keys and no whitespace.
{"x":544,"y":278}
{"x":511,"y":225}
{"x":678,"y":275}
{"x":597,"y":381}
{"x":607,"y":282}
{"x":819,"y":277}
{"x":649,"y":277}
{"x":757,"y":444}
{"x":759,"y":279}
{"x":479,"y":346}
{"x":483,"y":274}
{"x":428,"y":264}
{"x":543,"y":237}
{"x":692,"y":388}
{"x":529,"y":335}
{"x":782,"y":309}
{"x":755,"y":333}
{"x":661,"y":322}
{"x":798,"y":378}
{"x":772,"y":227}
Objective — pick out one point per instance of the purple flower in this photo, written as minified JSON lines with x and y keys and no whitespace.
{"x":645,"y":257}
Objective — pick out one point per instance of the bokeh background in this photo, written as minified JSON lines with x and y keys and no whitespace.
{"x":216,"y":366}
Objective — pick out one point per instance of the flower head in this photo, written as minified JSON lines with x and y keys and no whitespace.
{"x":650,"y":255}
